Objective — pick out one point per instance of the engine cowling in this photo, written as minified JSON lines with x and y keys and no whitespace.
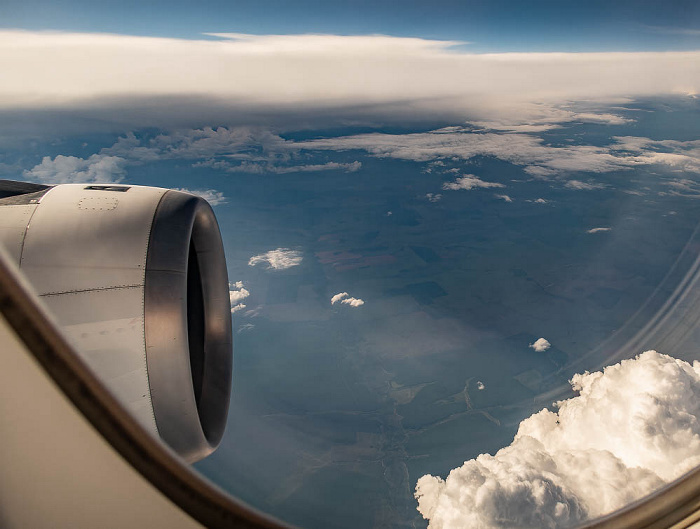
{"x":136,"y":277}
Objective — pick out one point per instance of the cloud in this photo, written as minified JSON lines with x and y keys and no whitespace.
{"x":246,"y":327}
{"x":237,"y":293}
{"x":504,"y":197}
{"x":335,"y":299}
{"x":233,"y":150}
{"x":343,"y":297}
{"x":632,"y":427}
{"x":540,"y":345}
{"x":538,"y":158}
{"x":480,"y":385}
{"x":266,"y":167}
{"x":598,"y":230}
{"x":540,"y":118}
{"x":683,"y":187}
{"x":583,"y":186}
{"x":257,"y":150}
{"x":70,"y":169}
{"x":279,"y":259}
{"x":214,"y":197}
{"x":694,"y":32}
{"x":469,"y":182}
{"x":433,"y":197}
{"x":55,"y":69}
{"x":681,"y":155}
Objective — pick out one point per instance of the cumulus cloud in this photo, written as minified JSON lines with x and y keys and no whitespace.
{"x":480,"y":385}
{"x":279,"y":259}
{"x":345,"y":299}
{"x":214,"y":197}
{"x":237,"y":293}
{"x":504,"y":197}
{"x":71,"y":169}
{"x":632,"y":427}
{"x":469,"y":182}
{"x":433,"y":197}
{"x":540,"y":345}
{"x":598,"y":230}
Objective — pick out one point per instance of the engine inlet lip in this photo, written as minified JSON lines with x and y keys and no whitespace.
{"x":189,"y":377}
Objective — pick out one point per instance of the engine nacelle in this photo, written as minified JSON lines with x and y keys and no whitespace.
{"x":136,"y":277}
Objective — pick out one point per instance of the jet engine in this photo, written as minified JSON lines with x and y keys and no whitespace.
{"x":136,"y":278}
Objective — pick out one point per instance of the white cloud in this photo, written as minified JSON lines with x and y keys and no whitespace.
{"x":246,"y":327}
{"x":232,"y":150}
{"x":353,"y":302}
{"x":583,"y":186}
{"x":469,"y":182}
{"x":539,"y":201}
{"x":603,"y":118}
{"x":330,"y":166}
{"x":214,"y":197}
{"x":540,"y":118}
{"x":683,"y":187}
{"x":343,"y":297}
{"x":504,"y":197}
{"x":540,"y":345}
{"x":681,"y":155}
{"x":267,"y":167}
{"x":433,"y":197}
{"x":237,"y":293}
{"x":255,"y":150}
{"x":335,"y":299}
{"x":633,"y":426}
{"x":70,"y":169}
{"x":53,"y":68}
{"x":598,"y":230}
{"x":480,"y":385}
{"x":540,"y":172}
{"x":279,"y":259}
{"x":538,"y":158}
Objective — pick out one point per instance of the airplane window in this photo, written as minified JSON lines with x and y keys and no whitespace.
{"x":463,"y":250}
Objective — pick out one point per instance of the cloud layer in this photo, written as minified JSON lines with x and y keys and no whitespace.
{"x":258,"y":150}
{"x":633,"y":427}
{"x":51,"y":68}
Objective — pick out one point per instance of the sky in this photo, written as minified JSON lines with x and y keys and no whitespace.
{"x":488,"y":25}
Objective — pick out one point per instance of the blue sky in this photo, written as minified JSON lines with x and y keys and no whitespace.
{"x":489,"y":25}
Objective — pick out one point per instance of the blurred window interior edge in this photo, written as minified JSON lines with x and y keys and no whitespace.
{"x":676,"y":505}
